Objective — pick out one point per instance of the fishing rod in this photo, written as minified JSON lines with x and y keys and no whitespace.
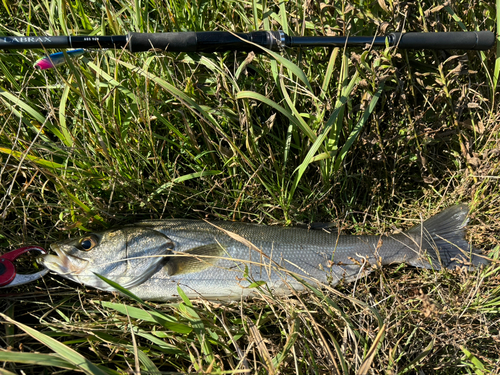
{"x":218,"y":41}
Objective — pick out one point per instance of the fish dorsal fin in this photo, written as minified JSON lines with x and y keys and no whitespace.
{"x":193,"y":260}
{"x":327,"y":227}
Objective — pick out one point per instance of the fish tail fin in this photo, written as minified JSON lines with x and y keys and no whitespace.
{"x":442,"y":241}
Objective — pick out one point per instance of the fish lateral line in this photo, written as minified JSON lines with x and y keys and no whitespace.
{"x":211,"y":257}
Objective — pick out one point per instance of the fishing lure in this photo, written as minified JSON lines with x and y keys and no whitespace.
{"x":56,"y":59}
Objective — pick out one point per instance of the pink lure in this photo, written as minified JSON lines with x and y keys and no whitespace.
{"x":56,"y":59}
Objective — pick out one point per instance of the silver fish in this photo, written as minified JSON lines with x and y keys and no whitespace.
{"x":226,"y":260}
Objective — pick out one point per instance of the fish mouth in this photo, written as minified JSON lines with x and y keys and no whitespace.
{"x":62,"y":263}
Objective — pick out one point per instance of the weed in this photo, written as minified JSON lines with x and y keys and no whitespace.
{"x":369,"y":138}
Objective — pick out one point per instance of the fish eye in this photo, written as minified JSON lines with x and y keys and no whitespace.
{"x":88,"y":243}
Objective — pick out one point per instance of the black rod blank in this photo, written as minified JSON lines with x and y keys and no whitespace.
{"x":216,"y":41}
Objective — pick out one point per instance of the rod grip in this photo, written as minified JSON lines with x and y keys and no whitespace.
{"x":174,"y":42}
{"x":471,"y":40}
{"x":203,"y":41}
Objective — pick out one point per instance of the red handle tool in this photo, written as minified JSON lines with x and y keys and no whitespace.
{"x":8,"y":275}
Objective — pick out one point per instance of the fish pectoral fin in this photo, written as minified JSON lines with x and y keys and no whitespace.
{"x":194,"y":260}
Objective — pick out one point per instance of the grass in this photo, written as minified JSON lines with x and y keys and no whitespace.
{"x":369,"y":139}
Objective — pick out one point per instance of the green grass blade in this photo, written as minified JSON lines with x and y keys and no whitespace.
{"x":411,"y":365}
{"x":39,"y":359}
{"x":291,"y":67}
{"x":185,"y":298}
{"x":496,"y":71}
{"x":121,"y":289}
{"x":35,"y":159}
{"x":66,"y":136}
{"x":149,"y":366}
{"x":10,"y":78}
{"x":359,"y":126}
{"x":254,"y":12}
{"x":113,"y":82}
{"x":190,"y":176}
{"x":156,"y":339}
{"x":62,"y":350}
{"x":328,"y":73}
{"x":321,"y":139}
{"x":6,"y":6}
{"x":299,"y":124}
{"x":61,"y":8}
{"x":149,"y":316}
{"x":17,"y":102}
{"x":476,"y":365}
{"x":183,"y":97}
{"x":455,"y":16}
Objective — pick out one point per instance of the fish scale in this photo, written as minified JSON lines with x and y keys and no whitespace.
{"x":226,"y":260}
{"x":323,"y":258}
